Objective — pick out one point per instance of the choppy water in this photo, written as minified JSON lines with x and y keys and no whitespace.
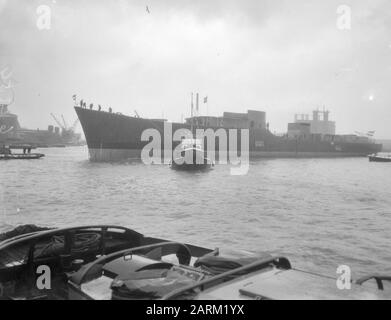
{"x":320,"y":213}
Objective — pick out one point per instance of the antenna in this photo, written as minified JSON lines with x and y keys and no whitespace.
{"x":192,"y":112}
{"x":197,"y":102}
{"x":192,"y":105}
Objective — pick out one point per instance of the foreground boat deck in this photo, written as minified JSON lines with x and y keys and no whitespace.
{"x":111,"y":263}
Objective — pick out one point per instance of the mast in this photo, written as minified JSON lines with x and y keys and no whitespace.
{"x":197,"y":103}
{"x":192,"y":105}
{"x":192,"y":113}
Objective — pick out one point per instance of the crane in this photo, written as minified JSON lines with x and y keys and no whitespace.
{"x":63,"y":121}
{"x":58,"y":122}
{"x":68,"y":133}
{"x":63,"y":125}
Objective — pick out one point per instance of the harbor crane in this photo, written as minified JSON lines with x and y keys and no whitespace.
{"x":58,"y":122}
{"x":64,"y":125}
{"x":63,"y":121}
{"x":68,"y":133}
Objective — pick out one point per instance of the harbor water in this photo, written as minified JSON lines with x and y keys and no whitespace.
{"x":320,"y":213}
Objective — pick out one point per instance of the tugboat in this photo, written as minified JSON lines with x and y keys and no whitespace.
{"x":6,"y":153}
{"x":105,"y":262}
{"x":192,"y":157}
{"x":377,"y":157}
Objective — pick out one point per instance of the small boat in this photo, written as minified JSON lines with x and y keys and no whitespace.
{"x":192,"y":157}
{"x":377,"y":157}
{"x":7,"y":154}
{"x":107,"y":262}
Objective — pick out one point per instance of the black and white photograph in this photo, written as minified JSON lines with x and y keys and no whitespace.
{"x":195,"y":155}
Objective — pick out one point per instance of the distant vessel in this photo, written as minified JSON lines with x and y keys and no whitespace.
{"x":12,"y":133}
{"x":379,"y":157}
{"x":192,"y":157}
{"x":6,"y":153}
{"x":114,"y":136}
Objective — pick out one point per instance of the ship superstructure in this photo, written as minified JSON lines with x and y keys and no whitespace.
{"x":319,"y":124}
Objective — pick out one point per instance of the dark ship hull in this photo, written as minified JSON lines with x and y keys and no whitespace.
{"x":113,"y":137}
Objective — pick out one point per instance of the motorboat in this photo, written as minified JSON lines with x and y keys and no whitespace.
{"x":192,"y":156}
{"x":107,"y":262}
{"x":380,"y":157}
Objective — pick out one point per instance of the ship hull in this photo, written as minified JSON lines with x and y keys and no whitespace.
{"x":116,"y":137}
{"x":108,"y":155}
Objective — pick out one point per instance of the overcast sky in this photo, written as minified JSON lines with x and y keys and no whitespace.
{"x":283,"y":57}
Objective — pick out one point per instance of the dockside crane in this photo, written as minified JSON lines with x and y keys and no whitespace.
{"x":64,"y":122}
{"x":58,"y":122}
{"x":64,"y":125}
{"x":68,"y":133}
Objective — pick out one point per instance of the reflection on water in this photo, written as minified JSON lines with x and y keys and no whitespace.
{"x":320,"y":213}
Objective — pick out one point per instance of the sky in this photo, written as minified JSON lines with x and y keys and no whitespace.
{"x":281,"y":57}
